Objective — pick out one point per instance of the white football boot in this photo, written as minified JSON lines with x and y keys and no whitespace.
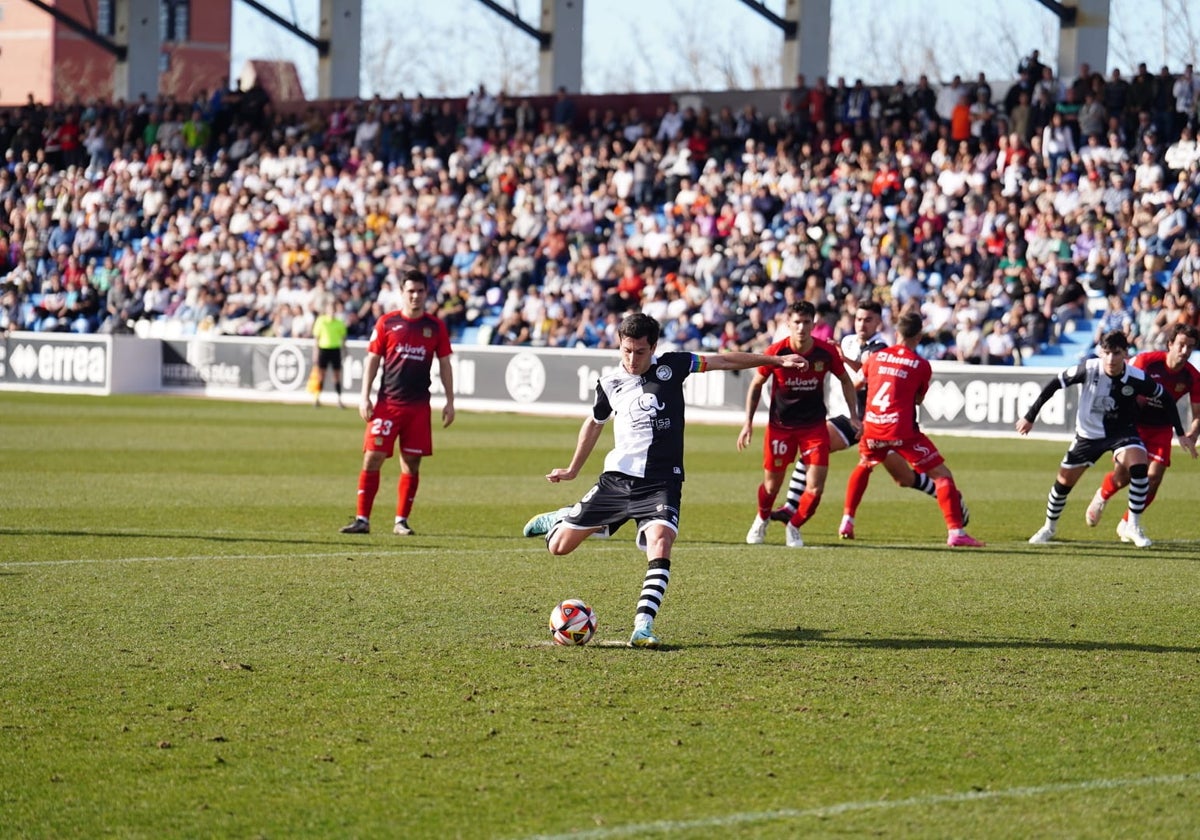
{"x":758,"y":531}
{"x":1095,"y":510}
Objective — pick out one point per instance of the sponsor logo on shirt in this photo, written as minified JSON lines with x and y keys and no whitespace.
{"x":650,"y":404}
{"x":410,"y":351}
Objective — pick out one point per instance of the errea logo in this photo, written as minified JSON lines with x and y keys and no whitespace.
{"x":943,"y":401}
{"x":24,"y":361}
{"x":60,"y":363}
{"x":982,"y":402}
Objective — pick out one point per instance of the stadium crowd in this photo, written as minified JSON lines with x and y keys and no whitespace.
{"x":1005,"y":219}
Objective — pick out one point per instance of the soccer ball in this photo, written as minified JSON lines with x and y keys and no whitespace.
{"x":572,"y":623}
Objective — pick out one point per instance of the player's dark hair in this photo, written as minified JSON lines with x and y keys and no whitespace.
{"x":909,"y":325}
{"x":1114,"y":340}
{"x":871,"y":306}
{"x":640,"y":325}
{"x":411,"y":274}
{"x":1185,"y":329}
{"x":803,"y":307}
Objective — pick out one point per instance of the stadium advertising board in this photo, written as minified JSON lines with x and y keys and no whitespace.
{"x":55,"y":362}
{"x":274,"y":368}
{"x":972,"y":399}
{"x":487,"y":378}
{"x":964,"y":399}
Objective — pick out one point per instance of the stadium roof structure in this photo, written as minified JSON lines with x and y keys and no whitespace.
{"x":136,"y":44}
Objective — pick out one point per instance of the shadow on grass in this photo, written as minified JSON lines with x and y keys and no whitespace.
{"x":821,"y":638}
{"x":1186,"y":549}
{"x":176,"y":537}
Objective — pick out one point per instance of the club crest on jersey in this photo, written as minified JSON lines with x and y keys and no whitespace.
{"x":819,"y":367}
{"x":662,"y":373}
{"x":1127,"y":391}
{"x":427,"y":332}
{"x":379,"y":441}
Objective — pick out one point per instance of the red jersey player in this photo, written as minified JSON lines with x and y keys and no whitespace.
{"x":796,"y":428}
{"x":897,"y":379}
{"x":404,"y":343}
{"x":1178,"y":378}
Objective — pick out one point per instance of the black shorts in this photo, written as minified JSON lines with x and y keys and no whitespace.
{"x":1086,"y":451}
{"x":617,"y":498}
{"x":842,"y":424}
{"x":329,"y":357}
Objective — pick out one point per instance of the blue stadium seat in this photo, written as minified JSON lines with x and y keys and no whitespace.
{"x":469,"y":335}
{"x":1074,"y":344}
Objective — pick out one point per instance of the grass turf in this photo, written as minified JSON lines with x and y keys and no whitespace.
{"x":189,"y":648}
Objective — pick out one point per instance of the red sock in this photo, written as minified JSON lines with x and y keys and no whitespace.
{"x":949,"y":501}
{"x":1108,"y":488}
{"x":406,"y":493}
{"x":856,"y":486}
{"x":766,"y":502}
{"x":368,"y":486}
{"x":809,"y":502}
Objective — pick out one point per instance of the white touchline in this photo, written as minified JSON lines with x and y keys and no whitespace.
{"x":348,"y":551}
{"x":673,"y":826}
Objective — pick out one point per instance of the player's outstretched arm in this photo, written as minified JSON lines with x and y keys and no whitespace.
{"x":743,"y":361}
{"x":1025,"y":424}
{"x":589,"y":434}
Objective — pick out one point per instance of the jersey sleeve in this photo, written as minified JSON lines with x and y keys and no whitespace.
{"x":443,"y":340}
{"x":1147,"y":387}
{"x":1074,"y":375}
{"x":601,"y":407}
{"x":867,"y":369}
{"x":375,"y":346}
{"x":923,"y":386}
{"x":1070,"y":376}
{"x":683,"y":364}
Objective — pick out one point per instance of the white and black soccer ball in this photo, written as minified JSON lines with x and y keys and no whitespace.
{"x":572,"y":623}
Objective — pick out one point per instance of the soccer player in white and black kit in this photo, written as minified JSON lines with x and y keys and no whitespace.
{"x":643,"y":473}
{"x":1105,"y":422}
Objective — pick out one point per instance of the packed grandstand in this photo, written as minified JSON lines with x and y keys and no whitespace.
{"x":1011,"y":218}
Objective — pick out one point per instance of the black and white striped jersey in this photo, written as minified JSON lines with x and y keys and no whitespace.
{"x":1108,"y":405}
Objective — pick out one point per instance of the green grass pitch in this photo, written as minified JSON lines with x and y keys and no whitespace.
{"x":188,"y":648}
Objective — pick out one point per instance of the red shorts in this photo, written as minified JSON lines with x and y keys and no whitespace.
{"x":1158,"y":440}
{"x":409,"y":422}
{"x":782,"y":446}
{"x":918,"y":450}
